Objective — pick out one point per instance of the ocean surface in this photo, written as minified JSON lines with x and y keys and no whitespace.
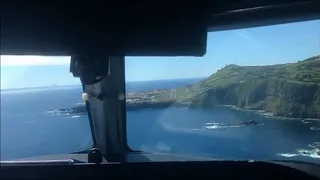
{"x":28,"y":128}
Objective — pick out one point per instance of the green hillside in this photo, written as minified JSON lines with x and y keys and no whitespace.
{"x":290,"y":90}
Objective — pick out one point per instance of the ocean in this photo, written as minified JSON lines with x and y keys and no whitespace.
{"x":29,"y":129}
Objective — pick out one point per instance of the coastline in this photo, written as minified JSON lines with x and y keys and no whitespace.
{"x":141,"y":105}
{"x":267,"y":114}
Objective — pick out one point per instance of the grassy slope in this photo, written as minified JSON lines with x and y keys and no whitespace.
{"x":291,"y":90}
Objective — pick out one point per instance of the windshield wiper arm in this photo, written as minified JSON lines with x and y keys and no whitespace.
{"x":42,"y":162}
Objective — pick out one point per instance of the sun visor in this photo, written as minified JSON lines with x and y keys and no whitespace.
{"x":44,"y":30}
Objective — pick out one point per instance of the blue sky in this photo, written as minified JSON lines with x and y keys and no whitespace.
{"x":254,"y":46}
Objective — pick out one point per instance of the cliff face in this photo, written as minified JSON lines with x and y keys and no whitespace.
{"x":291,"y":90}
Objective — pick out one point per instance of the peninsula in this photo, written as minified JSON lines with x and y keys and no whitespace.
{"x":288,"y":90}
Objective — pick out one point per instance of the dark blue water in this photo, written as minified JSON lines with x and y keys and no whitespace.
{"x":29,"y":129}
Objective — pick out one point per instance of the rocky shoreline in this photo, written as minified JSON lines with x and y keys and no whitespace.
{"x":267,"y":114}
{"x":140,"y":105}
{"x":81,"y":108}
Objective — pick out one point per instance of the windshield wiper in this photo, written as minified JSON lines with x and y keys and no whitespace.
{"x":42,"y":162}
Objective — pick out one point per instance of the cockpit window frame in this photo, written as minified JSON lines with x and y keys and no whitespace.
{"x":109,"y":129}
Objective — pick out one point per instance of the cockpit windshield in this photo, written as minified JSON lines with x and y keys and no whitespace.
{"x":254,"y":95}
{"x":36,"y":95}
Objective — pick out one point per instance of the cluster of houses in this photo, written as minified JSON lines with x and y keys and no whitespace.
{"x":142,"y":96}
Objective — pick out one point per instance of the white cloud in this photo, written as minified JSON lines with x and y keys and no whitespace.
{"x":10,"y":60}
